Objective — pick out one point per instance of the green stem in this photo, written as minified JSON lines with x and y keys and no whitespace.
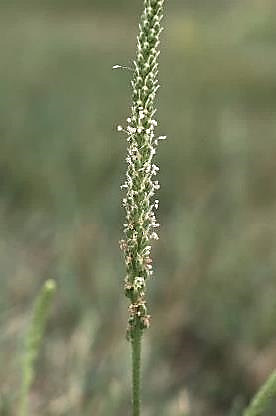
{"x":33,"y":341}
{"x":136,"y":371}
{"x":263,"y":398}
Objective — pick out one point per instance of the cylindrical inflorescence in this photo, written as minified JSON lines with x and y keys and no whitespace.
{"x":140,"y":185}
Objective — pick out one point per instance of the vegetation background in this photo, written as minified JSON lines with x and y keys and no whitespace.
{"x":213,"y":340}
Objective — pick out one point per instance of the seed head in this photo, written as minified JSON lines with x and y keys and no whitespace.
{"x":139,"y":186}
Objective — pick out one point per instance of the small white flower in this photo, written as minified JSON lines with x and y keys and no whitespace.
{"x":155,"y":169}
{"x":119,"y":128}
{"x":156,"y":204}
{"x":139,"y":282}
{"x":131,"y":130}
{"x":156,"y":185}
{"x":154,"y":236}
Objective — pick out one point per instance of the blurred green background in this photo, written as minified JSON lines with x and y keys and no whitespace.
{"x":212,"y":341}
